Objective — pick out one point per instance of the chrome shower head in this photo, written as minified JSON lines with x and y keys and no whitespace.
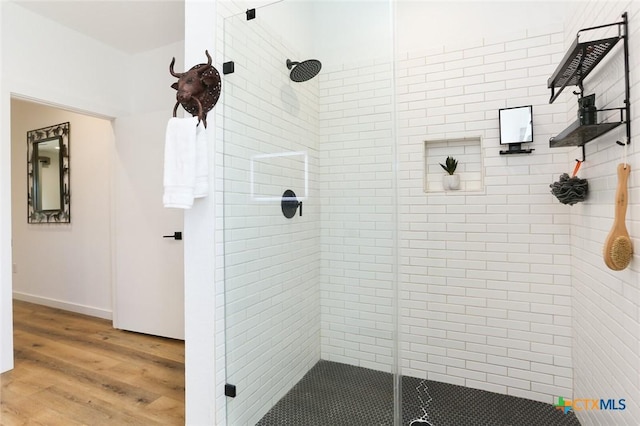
{"x":303,"y":71}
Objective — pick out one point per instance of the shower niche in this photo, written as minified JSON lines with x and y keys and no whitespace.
{"x":468,"y":153}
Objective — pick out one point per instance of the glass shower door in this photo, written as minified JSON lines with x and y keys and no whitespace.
{"x":309,"y":215}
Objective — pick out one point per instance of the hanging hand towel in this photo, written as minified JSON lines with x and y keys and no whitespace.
{"x":202,"y":163}
{"x":180,"y":163}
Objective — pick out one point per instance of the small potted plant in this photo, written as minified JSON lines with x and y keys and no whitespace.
{"x":450,"y":181}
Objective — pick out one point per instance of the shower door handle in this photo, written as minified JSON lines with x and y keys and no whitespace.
{"x":176,"y":235}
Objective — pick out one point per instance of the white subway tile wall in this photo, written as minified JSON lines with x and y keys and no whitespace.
{"x":480,"y":272}
{"x":605,"y":303}
{"x":357,"y":200}
{"x":272,"y":264}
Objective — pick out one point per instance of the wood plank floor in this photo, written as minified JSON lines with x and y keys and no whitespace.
{"x":72,"y":369}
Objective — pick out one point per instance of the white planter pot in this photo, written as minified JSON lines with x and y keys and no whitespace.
{"x":451,"y":182}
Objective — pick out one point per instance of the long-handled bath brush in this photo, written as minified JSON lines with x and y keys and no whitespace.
{"x":618,"y":248}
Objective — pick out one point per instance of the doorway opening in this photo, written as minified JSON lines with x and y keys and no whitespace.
{"x":64,"y":265}
{"x":71,"y":266}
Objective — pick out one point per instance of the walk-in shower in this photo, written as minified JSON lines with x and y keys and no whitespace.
{"x":324,"y":307}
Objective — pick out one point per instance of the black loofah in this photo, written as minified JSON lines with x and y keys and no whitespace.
{"x":570,"y":190}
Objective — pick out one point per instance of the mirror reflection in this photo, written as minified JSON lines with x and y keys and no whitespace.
{"x":48,"y":174}
{"x":516,"y":125}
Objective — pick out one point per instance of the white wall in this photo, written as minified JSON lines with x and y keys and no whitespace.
{"x":6,"y":317}
{"x":606,"y":303}
{"x":43,"y":60}
{"x":28,"y":42}
{"x":47,"y":62}
{"x":65,"y":265}
{"x":152,"y":81}
{"x":202,"y":306}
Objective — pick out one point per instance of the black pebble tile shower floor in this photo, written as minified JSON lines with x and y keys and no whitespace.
{"x":334,"y":394}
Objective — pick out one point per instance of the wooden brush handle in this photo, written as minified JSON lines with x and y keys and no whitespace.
{"x":621,"y":194}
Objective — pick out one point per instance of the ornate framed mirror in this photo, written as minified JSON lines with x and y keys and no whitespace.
{"x":48,"y":198}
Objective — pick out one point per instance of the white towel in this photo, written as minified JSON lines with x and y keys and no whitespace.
{"x":183,"y":167}
{"x":202,"y":163}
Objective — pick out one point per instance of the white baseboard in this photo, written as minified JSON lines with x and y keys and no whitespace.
{"x":67,"y":306}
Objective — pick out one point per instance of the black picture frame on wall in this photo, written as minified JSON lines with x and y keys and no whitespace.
{"x":48,"y":194}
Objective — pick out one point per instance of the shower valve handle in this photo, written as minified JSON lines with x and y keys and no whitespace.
{"x":290,"y":204}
